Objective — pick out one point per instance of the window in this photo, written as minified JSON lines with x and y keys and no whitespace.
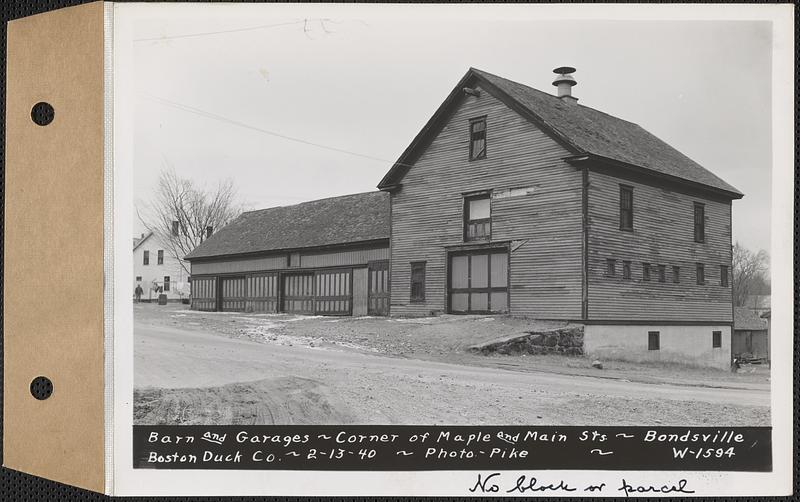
{"x":166,"y":283}
{"x":699,"y":222}
{"x":700,"y":271}
{"x":653,"y":340}
{"x":478,"y":218}
{"x":626,"y":270}
{"x":676,"y":274}
{"x":175,"y":228}
{"x":645,"y":271}
{"x":611,"y":267}
{"x":716,"y":339}
{"x":160,"y":256}
{"x":138,"y":278}
{"x":625,"y":207}
{"x":417,"y":281}
{"x":723,"y":276}
{"x":477,"y":138}
{"x":146,"y":258}
{"x":662,"y":273}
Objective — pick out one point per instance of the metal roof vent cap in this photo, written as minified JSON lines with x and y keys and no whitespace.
{"x":564,"y":83}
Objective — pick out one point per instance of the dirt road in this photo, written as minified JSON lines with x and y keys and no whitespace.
{"x":186,"y":376}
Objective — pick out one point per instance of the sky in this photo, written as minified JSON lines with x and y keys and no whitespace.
{"x":220,"y":89}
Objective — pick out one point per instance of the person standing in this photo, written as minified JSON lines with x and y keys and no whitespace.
{"x":138,"y":293}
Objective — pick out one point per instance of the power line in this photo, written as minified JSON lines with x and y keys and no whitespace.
{"x":220,"y":118}
{"x":191,"y":35}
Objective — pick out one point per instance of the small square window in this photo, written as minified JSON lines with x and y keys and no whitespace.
{"x":723,"y":276}
{"x":676,"y":274}
{"x":662,"y":273}
{"x":626,"y":270}
{"x":645,"y":271}
{"x":653,"y":340}
{"x":611,"y":267}
{"x":138,"y":278}
{"x":700,"y":272}
{"x":477,"y":138}
{"x":716,"y":339}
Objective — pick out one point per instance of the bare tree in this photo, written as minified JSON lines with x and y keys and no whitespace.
{"x":181,"y":215}
{"x":750,"y":273}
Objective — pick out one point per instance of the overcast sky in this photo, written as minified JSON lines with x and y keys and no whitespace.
{"x":366,"y":80}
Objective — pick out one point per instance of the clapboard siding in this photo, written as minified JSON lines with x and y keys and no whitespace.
{"x":343,"y":258}
{"x":544,"y":226}
{"x":663,"y":234}
{"x":230,"y":266}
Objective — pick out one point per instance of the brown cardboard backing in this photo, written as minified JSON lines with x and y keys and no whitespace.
{"x":53,"y":287}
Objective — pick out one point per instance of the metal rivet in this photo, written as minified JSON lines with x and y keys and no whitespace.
{"x":42,"y":113}
{"x":41,"y":388}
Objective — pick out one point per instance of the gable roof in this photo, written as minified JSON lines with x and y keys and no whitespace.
{"x":138,"y":241}
{"x":326,"y":222}
{"x":583,"y":130}
{"x":746,"y":319}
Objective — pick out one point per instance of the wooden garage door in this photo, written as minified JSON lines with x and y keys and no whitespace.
{"x":234,"y":294}
{"x":262,"y":293}
{"x":379,"y":288}
{"x":204,"y":293}
{"x":298,"y":293}
{"x":478,"y":282}
{"x":333,"y":292}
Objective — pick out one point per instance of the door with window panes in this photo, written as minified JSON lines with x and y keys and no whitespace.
{"x":478,"y":282}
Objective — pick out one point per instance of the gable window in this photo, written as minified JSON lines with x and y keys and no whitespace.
{"x":477,"y":138}
{"x":653,"y":340}
{"x":166,"y":283}
{"x":723,"y":276}
{"x":146,"y":258}
{"x":676,"y":274}
{"x":611,"y":267}
{"x":662,"y":273}
{"x":716,"y":339}
{"x":699,"y":222}
{"x":478,"y":218}
{"x":625,"y":207}
{"x":626,"y":270}
{"x":645,"y":271}
{"x":417,"y":281}
{"x":175,"y":228}
{"x":160,"y":257}
{"x":700,"y":272}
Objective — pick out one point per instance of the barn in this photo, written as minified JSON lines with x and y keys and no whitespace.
{"x":326,"y":257}
{"x":509,"y":200}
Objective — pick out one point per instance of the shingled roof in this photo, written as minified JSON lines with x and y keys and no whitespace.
{"x":582,"y":129}
{"x":746,"y":319}
{"x":327,"y":222}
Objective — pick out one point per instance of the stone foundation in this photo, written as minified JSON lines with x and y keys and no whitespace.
{"x":565,"y":341}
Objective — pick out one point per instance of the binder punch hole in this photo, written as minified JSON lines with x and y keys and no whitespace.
{"x":42,"y":113}
{"x":41,"y":388}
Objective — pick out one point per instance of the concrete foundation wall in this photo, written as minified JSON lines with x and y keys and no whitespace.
{"x":681,"y":344}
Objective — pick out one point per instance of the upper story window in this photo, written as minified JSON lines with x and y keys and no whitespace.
{"x":626,"y":270}
{"x":160,"y":257}
{"x":175,"y":228}
{"x":477,"y":138}
{"x":700,"y":271}
{"x":146,"y":258}
{"x":625,"y":207}
{"x":611,"y":267}
{"x":478,"y":217}
{"x":699,"y":222}
{"x":723,"y":275}
{"x":417,"y":281}
{"x":645,"y":271}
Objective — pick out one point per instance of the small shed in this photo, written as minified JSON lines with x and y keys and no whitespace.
{"x":750,"y":335}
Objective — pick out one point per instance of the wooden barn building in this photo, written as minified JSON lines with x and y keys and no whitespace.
{"x":510,"y":200}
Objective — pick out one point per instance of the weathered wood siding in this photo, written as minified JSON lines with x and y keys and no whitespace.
{"x":546,"y":266}
{"x":344,"y":258}
{"x":232,"y":266}
{"x":663,"y":234}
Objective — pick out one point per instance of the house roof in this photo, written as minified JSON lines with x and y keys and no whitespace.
{"x":746,"y":319}
{"x":327,"y":222}
{"x":583,"y":130}
{"x":137,"y":241}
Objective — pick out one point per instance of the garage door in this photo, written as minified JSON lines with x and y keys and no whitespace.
{"x":204,"y":293}
{"x":262,"y":293}
{"x":234,"y":294}
{"x":298,"y":293}
{"x":478,"y":282}
{"x":333,"y":292}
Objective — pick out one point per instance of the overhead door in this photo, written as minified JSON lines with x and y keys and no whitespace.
{"x":478,"y":282}
{"x":298,"y":293}
{"x":262,"y":293}
{"x":204,"y":293}
{"x":379,"y":288}
{"x":333,"y":293}
{"x":234,"y":294}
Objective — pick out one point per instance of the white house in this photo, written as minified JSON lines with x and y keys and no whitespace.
{"x":154,"y":268}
